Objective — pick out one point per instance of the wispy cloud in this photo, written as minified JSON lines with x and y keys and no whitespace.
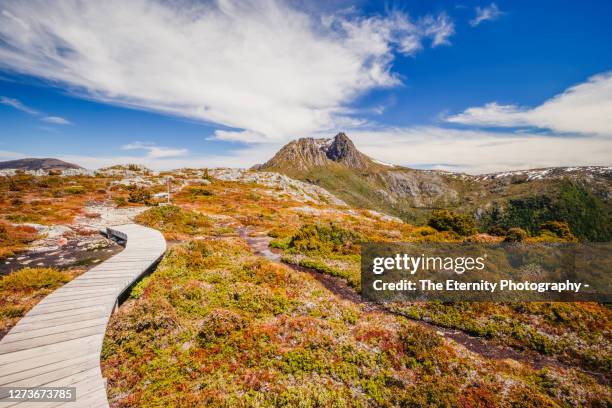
{"x":154,"y":151}
{"x":585,"y":108}
{"x":233,"y":63}
{"x":490,"y":12}
{"x":440,"y":29}
{"x":17,"y":20}
{"x":17,"y":104}
{"x":56,"y":120}
{"x":246,"y":136}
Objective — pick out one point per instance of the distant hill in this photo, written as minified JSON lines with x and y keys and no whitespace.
{"x":577,"y":195}
{"x":38,"y":164}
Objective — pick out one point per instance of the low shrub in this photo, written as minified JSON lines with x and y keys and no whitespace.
{"x":497,"y":231}
{"x":75,"y":190}
{"x":324,"y":239}
{"x":445,"y":220}
{"x":33,"y":278}
{"x":558,"y":229}
{"x":515,"y":235}
{"x":219,"y":324}
{"x":419,"y":343}
{"x":199,"y":191}
{"x":173,"y":219}
{"x":14,"y":238}
{"x":120,"y":201}
{"x":139,"y":195}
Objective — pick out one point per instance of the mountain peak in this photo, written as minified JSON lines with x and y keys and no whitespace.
{"x":342,"y":150}
{"x":38,"y":164}
{"x":303,"y":154}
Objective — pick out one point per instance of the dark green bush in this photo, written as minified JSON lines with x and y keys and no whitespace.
{"x":515,"y":235}
{"x":498,"y":231}
{"x":586,"y":214}
{"x":558,"y":228}
{"x":139,"y":195}
{"x":75,"y":190}
{"x":324,"y":239}
{"x":199,"y":191}
{"x":445,"y":220}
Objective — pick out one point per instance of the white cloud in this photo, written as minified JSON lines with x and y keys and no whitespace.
{"x":137,"y":145}
{"x":56,"y":120}
{"x":246,"y":136}
{"x":8,"y":155}
{"x":477,"y":151}
{"x":585,"y":108}
{"x":490,"y":12}
{"x":239,"y":158}
{"x":154,"y":151}
{"x":263,"y":66}
{"x":16,"y":103}
{"x":440,"y":29}
{"x":17,"y":20}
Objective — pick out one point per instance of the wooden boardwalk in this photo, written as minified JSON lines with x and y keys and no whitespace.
{"x":58,"y":342}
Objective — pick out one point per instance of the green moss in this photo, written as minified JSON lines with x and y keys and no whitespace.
{"x":281,"y":243}
{"x":23,"y":218}
{"x":297,"y":361}
{"x":75,"y":190}
{"x":323,"y":239}
{"x":199,"y":191}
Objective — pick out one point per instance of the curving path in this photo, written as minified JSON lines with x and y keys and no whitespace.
{"x":58,"y":342}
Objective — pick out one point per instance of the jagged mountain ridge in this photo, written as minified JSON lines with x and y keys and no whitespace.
{"x":308,"y":152}
{"x":38,"y":164}
{"x":308,"y":159}
{"x":338,"y":166}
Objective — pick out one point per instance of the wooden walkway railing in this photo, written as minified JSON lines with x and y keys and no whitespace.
{"x":58,"y":342}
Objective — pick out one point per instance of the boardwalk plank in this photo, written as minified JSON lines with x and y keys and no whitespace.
{"x":58,"y":343}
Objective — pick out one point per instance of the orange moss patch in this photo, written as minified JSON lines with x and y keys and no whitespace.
{"x":15,"y":238}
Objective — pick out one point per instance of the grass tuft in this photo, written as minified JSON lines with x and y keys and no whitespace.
{"x":33,"y":278}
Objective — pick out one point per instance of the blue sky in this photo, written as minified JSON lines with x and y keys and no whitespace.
{"x":466,"y":86}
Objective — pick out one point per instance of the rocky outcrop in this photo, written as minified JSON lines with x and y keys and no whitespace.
{"x":342,"y":150}
{"x":297,"y":190}
{"x":306,"y":153}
